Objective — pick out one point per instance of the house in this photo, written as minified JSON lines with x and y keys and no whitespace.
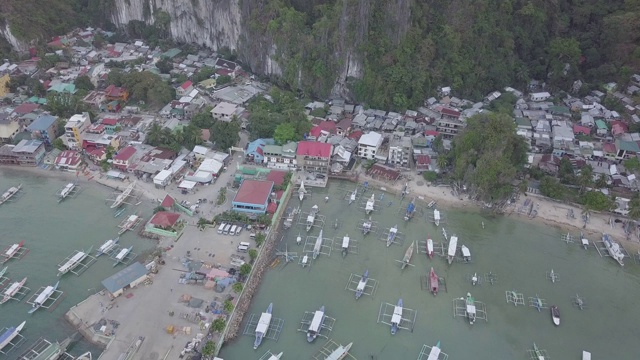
{"x":9,"y":128}
{"x":400,"y":149}
{"x":343,"y":127}
{"x":43,"y":128}
{"x":115,"y":93}
{"x":29,"y":152}
{"x":549,"y":163}
{"x":95,"y":98}
{"x":324,"y":128}
{"x":423,"y":162}
{"x":255,"y":150}
{"x":73,"y":129}
{"x":4,"y":88}
{"x":61,"y":88}
{"x":252,"y":196}
{"x":313,"y":156}
{"x":626,"y":149}
{"x":581,"y":130}
{"x":539,"y":96}
{"x":110,"y":125}
{"x":618,"y":128}
{"x":125,"y":279}
{"x":68,"y":160}
{"x":111,"y":106}
{"x":163,"y":220}
{"x":100,"y":141}
{"x":449,"y":123}
{"x":601,"y":128}
{"x":562,"y":136}
{"x":281,"y":157}
{"x":184,"y":89}
{"x":586,"y":119}
{"x":123,"y":158}
{"x":225,"y":111}
{"x":369,"y":144}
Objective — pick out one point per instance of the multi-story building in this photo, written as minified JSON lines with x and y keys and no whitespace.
{"x":314,"y":156}
{"x":73,"y":129}
{"x":43,"y":128}
{"x":281,"y":157}
{"x":369,"y":144}
{"x":400,"y":151}
{"x":29,"y":152}
{"x":449,"y":123}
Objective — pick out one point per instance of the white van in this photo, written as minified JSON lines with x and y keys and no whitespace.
{"x":233,"y":230}
{"x":226,"y":229}
{"x":243,"y":248}
{"x":252,"y":236}
{"x":239,"y":230}
{"x":242,"y":243}
{"x":221,"y":228}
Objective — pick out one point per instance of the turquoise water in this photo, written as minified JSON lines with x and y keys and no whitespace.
{"x":518,"y":252}
{"x":52,"y":232}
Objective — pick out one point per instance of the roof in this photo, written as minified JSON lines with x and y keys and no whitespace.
{"x":313,"y":148}
{"x":109,"y":121}
{"x":187,"y":84}
{"x":276,"y":176}
{"x":601,"y":124}
{"x":27,"y":146}
{"x":42,"y":123}
{"x":371,"y":139}
{"x":578,"y":129}
{"x":113,"y":91}
{"x":168,"y":201}
{"x":164,"y":219}
{"x":124,"y":277}
{"x":125,"y":154}
{"x":172,"y":53}
{"x":25,"y":108}
{"x":449,"y":112}
{"x":253,"y":192}
{"x":423,"y":159}
{"x":631,"y":146}
{"x":68,"y":157}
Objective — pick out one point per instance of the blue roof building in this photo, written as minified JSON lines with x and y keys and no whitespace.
{"x":126,"y":278}
{"x":255,"y":150}
{"x":43,"y":128}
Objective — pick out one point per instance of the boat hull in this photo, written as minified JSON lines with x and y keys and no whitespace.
{"x":430,"y":248}
{"x":434,"y":282}
{"x":555,"y":315}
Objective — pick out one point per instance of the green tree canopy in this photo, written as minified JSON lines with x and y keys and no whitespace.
{"x":165,"y":65}
{"x":203,"y":119}
{"x":551,"y":187}
{"x":225,"y":134}
{"x":267,"y":115}
{"x":143,"y":86}
{"x":284,"y":133}
{"x":596,"y":200}
{"x":84,"y":82}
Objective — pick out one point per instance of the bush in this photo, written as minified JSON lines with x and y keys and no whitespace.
{"x":430,"y":176}
{"x":245,"y":269}
{"x":237,"y":288}
{"x":228,"y":306}
{"x":253,"y":254}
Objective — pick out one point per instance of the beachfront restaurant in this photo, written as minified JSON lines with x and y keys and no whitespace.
{"x":127,"y":278}
{"x":252,"y":196}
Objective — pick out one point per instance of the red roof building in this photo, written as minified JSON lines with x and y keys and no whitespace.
{"x":68,"y":160}
{"x":253,"y":196}
{"x":109,"y":121}
{"x":25,"y":108}
{"x":355,"y":135}
{"x":423,"y":162}
{"x":276,"y":176}
{"x":313,"y":156}
{"x":579,"y":129}
{"x":123,"y":159}
{"x":449,"y":113}
{"x":168,"y":202}
{"x":164,"y":219}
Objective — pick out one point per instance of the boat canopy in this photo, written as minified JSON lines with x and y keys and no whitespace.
{"x":397,"y":315}
{"x":434,"y":354}
{"x":317,"y":320}
{"x":263,"y":323}
{"x":345,"y":242}
{"x":465,"y":251}
{"x":453,"y":245}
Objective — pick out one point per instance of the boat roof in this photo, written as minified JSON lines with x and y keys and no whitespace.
{"x":471,"y":309}
{"x":317,"y":320}
{"x":434,"y":353}
{"x":345,"y":241}
{"x":263,"y":323}
{"x":396,"y":318}
{"x":465,"y":251}
{"x":453,"y":245}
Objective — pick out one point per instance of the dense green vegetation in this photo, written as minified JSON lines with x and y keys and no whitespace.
{"x":188,"y":136}
{"x":143,"y":86}
{"x":283,"y":117}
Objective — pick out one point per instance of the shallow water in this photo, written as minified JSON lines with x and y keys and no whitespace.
{"x":518,"y":252}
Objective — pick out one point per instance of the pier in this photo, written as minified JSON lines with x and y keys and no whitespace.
{"x":82,"y":265}
{"x":426,"y":349}
{"x":369,"y":289}
{"x":329,"y":347}
{"x":387,"y":313}
{"x":514,"y":297}
{"x":325,"y":327}
{"x":273,"y":331}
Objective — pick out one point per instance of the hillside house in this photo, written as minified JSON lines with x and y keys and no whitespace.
{"x":114,"y":93}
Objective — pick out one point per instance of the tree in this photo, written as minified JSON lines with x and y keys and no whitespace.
{"x":601,"y":182}
{"x":566,"y":172}
{"x":430,"y":176}
{"x":225,"y":134}
{"x":203,"y":119}
{"x":284,"y":133}
{"x":165,"y":65}
{"x":596,"y":200}
{"x":237,"y":288}
{"x":260,"y":238}
{"x":64,"y":104}
{"x":204,"y":73}
{"x":218,"y":325}
{"x":632,"y":164}
{"x":59,"y":144}
{"x":209,"y":348}
{"x":634,"y":207}
{"x":253,"y":254}
{"x":585,"y":179}
{"x":550,"y":187}
{"x":245,"y":269}
{"x":84,"y":82}
{"x":223,"y":80}
{"x":227,"y":306}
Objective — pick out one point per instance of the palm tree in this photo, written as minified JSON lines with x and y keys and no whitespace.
{"x":442,"y":162}
{"x":585,"y":179}
{"x":154,"y":135}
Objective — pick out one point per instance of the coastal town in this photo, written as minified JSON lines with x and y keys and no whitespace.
{"x":581,"y":172}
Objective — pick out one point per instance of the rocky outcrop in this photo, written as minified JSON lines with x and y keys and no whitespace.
{"x":20,"y":46}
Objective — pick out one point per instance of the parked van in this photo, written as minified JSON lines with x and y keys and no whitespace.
{"x":239,"y":230}
{"x":243,"y":248}
{"x":243,"y":243}
{"x":233,"y":230}
{"x":226,"y":229}
{"x":252,"y":236}
{"x":221,"y":228}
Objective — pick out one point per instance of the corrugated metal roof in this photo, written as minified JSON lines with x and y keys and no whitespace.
{"x":124,"y":277}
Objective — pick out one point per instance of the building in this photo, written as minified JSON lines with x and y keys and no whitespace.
{"x":400,"y":150}
{"x":114,"y":93}
{"x":9,"y":128}
{"x":252,"y":196}
{"x":123,"y":159}
{"x":73,"y":129}
{"x":255,"y":150}
{"x":125,"y":279}
{"x":43,"y":128}
{"x":224,"y":111}
{"x":29,"y":152}
{"x":100,"y":141}
{"x":68,"y":160}
{"x":449,"y":123}
{"x":4,"y":85}
{"x":314,"y":156}
{"x":369,"y":144}
{"x":539,"y":96}
{"x":184,"y":89}
{"x":281,"y":157}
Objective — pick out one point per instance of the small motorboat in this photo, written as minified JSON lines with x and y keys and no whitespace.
{"x":474,"y":279}
{"x":537,"y":352}
{"x":555,"y":315}
{"x":362,"y":284}
{"x":396,"y":318}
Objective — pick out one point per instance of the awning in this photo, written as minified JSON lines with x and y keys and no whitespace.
{"x":217,"y":273}
{"x":186,"y":184}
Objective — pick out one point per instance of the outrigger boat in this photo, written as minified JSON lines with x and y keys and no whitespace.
{"x":366,"y":226}
{"x":368,"y":208}
{"x":129,"y":224}
{"x":396,"y":317}
{"x":119,"y":212}
{"x":392,"y":235}
{"x":301,"y":191}
{"x":552,"y":276}
{"x":9,"y":193}
{"x":67,"y":190}
{"x":411,"y":209}
{"x":434,"y":354}
{"x":53,"y":351}
{"x":444,"y":233}
{"x":316,"y":324}
{"x":345,"y":245}
{"x":85,"y":356}
{"x":453,"y":246}
{"x":471,"y":308}
{"x":3,"y":271}
{"x":555,"y":315}
{"x":362,"y":284}
{"x":107,"y":246}
{"x":123,"y":196}
{"x":429,"y":247}
{"x":44,"y":296}
{"x":353,"y":196}
{"x":317,"y":246}
{"x":436,"y":217}
{"x":613,"y":248}
{"x":13,"y":249}
{"x":298,"y":239}
{"x":263,"y":326}
{"x":12,"y":290}
{"x":311,"y":218}
{"x":466,"y":254}
{"x":474,"y":279}
{"x":74,"y":261}
{"x":434,"y":282}
{"x":276,"y":357}
{"x":122,"y":255}
{"x":340,"y":353}
{"x":431,"y":204}
{"x":537,"y":353}
{"x":408,"y":254}
{"x":10,"y":334}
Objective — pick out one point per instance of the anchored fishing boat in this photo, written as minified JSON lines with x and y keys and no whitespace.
{"x":392,"y":235}
{"x":453,"y":246}
{"x":362,"y":284}
{"x":411,"y":209}
{"x":123,"y":196}
{"x":444,"y":233}
{"x":53,"y":351}
{"x":466,"y":254}
{"x":12,"y":290}
{"x":317,"y":246}
{"x":122,"y":255}
{"x":436,"y":217}
{"x":555,"y":315}
{"x":613,"y":248}
{"x":3,"y":271}
{"x":537,"y":353}
{"x":366,"y":226}
{"x":396,"y":318}
{"x":434,"y":282}
{"x":345,"y":245}
{"x":263,"y":326}
{"x":471,"y":308}
{"x":13,"y":249}
{"x":66,"y":191}
{"x":369,"y":206}
{"x":301,"y":191}
{"x":73,"y":262}
{"x":311,"y":218}
{"x":474,"y":279}
{"x":316,"y":324}
{"x":353,"y":196}
{"x":276,"y":357}
{"x":434,"y":354}
{"x":340,"y":352}
{"x":429,"y":247}
{"x":107,"y":246}
{"x":119,"y":212}
{"x":129,"y":224}
{"x":408,"y":254}
{"x":10,"y":334}
{"x":44,"y":296}
{"x":7,"y":195}
{"x":298,"y":239}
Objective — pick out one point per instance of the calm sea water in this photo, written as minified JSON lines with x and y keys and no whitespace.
{"x":519,"y":252}
{"x":52,"y":232}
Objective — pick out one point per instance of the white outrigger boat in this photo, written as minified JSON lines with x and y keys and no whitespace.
{"x":4,"y":270}
{"x":299,"y":239}
{"x":263,"y":326}
{"x":453,"y":246}
{"x":316,"y":325}
{"x":353,"y":196}
{"x":311,"y":218}
{"x":368,"y":208}
{"x":466,"y":254}
{"x":74,"y":261}
{"x":392,"y":235}
{"x":396,"y":318}
{"x":123,"y":196}
{"x":13,"y":249}
{"x":366,"y":226}
{"x":12,"y":290}
{"x":537,"y":353}
{"x":613,"y":248}
{"x":7,"y":195}
{"x":67,"y":190}
{"x":429,"y":247}
{"x":122,"y":255}
{"x":340,"y":353}
{"x":408,"y":254}
{"x":471,"y":308}
{"x":107,"y":246}
{"x":434,"y":354}
{"x":44,"y":296}
{"x":436,"y":217}
{"x":276,"y":357}
{"x":317,"y":246}
{"x":301,"y":191}
{"x":362,"y":284}
{"x":444,"y":233}
{"x":345,"y":245}
{"x":131,"y":222}
{"x":10,"y":334}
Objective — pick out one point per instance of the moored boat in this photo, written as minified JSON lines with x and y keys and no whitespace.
{"x":316,"y":324}
{"x":12,"y":290}
{"x":436,"y":217}
{"x":353,"y":196}
{"x":340,"y":352}
{"x":471,"y":308}
{"x":392,"y":235}
{"x":301,"y":191}
{"x":317,"y":246}
{"x":444,"y":233}
{"x":537,"y":353}
{"x":43,"y":297}
{"x":119,"y":211}
{"x":430,"y":247}
{"x":74,"y":261}
{"x":366,"y":226}
{"x":298,"y":239}
{"x":555,"y":315}
{"x":13,"y":249}
{"x":434,"y":282}
{"x":396,"y":318}
{"x":453,"y":246}
{"x":345,"y":245}
{"x":311,"y":218}
{"x":123,"y":196}
{"x":53,"y":351}
{"x":434,"y":354}
{"x":362,"y":284}
{"x":586,"y":355}
{"x":466,"y":254}
{"x":408,"y":254}
{"x":129,"y":224}
{"x":3,"y":271}
{"x":107,"y":246}
{"x":67,"y":190}
{"x":276,"y":356}
{"x":7,"y":195}
{"x":10,"y":334}
{"x":411,"y":209}
{"x":85,"y":356}
{"x":370,"y":205}
{"x":122,"y":255}
{"x":263,"y":326}
{"x":613,"y":248}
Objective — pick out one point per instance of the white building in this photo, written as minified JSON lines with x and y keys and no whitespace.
{"x":540,"y":96}
{"x":224,"y":111}
{"x":369,"y":144}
